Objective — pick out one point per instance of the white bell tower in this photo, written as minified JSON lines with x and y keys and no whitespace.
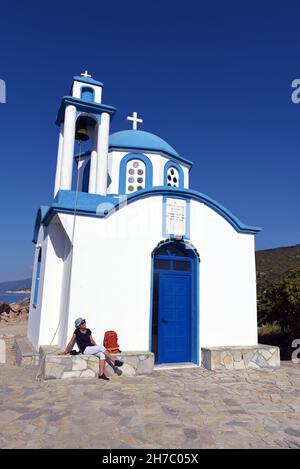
{"x":82,"y":116}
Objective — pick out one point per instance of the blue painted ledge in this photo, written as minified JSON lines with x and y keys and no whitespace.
{"x":93,"y":205}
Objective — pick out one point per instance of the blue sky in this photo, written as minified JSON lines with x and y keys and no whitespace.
{"x":211,"y":78}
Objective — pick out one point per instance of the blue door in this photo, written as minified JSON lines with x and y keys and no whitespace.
{"x":174,"y":310}
{"x":174,"y":318}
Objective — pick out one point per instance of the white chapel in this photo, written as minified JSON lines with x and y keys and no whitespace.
{"x":126,"y":244}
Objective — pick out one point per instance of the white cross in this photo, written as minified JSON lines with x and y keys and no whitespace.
{"x":135,"y":120}
{"x":86,"y":74}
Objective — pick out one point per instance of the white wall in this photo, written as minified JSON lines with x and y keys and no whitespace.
{"x":44,"y":319}
{"x":110,"y":284}
{"x":227,"y":280}
{"x":111,"y":277}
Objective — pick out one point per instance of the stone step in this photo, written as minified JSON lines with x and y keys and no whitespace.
{"x":174,"y":366}
{"x":26,"y":355}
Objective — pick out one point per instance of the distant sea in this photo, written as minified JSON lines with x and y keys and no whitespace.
{"x":13,"y":297}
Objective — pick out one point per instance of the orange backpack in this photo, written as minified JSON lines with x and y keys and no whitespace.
{"x":110,"y":342}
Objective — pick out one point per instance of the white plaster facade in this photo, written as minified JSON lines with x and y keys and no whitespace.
{"x":100,"y":266}
{"x":110,"y":281}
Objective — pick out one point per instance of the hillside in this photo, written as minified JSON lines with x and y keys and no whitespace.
{"x":14,"y":285}
{"x":273,"y":264}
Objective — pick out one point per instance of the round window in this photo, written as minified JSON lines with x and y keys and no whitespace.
{"x":140,"y":172}
{"x":130,"y":188}
{"x":131,"y":179}
{"x":131,"y":171}
{"x":169,"y":178}
{"x":175,"y":180}
{"x":139,"y":188}
{"x":172,"y":171}
{"x":140,"y":180}
{"x":136,"y":164}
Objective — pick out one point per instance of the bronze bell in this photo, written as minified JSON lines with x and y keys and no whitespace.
{"x":81,"y":132}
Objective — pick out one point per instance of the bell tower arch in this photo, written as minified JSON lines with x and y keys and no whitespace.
{"x":82,"y":116}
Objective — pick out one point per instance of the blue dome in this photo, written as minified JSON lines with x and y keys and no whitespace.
{"x":140,"y":140}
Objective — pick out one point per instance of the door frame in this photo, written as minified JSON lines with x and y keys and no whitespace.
{"x":195,"y":304}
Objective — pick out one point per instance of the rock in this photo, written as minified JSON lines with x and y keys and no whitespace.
{"x":262,"y":362}
{"x":15,"y":307}
{"x":79,"y":364}
{"x":15,"y":311}
{"x":228,"y":362}
{"x":24,"y":312}
{"x":239,"y":365}
{"x":4,"y":307}
{"x":24,"y":303}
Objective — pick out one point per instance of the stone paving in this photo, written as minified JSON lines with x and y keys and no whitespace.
{"x":186,"y":408}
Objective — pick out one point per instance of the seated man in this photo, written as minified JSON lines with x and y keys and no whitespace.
{"x":86,"y":344}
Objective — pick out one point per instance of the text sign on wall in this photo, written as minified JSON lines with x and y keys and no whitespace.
{"x":175,"y":217}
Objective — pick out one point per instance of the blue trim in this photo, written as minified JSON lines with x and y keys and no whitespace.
{"x":171,"y":164}
{"x":169,"y":240}
{"x":122,"y":170}
{"x":90,"y":205}
{"x":151,"y":303}
{"x":41,"y":213}
{"x":37,"y":278}
{"x":164,"y":217}
{"x":87,"y":94}
{"x":187,"y":220}
{"x":195,"y":308}
{"x":82,"y":106}
{"x":88,"y":80}
{"x":198,"y":293}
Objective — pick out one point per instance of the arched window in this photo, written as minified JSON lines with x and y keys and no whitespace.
{"x":37,"y":278}
{"x":135,"y":176}
{"x":135,"y":173}
{"x":172,"y":177}
{"x":87,"y":94}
